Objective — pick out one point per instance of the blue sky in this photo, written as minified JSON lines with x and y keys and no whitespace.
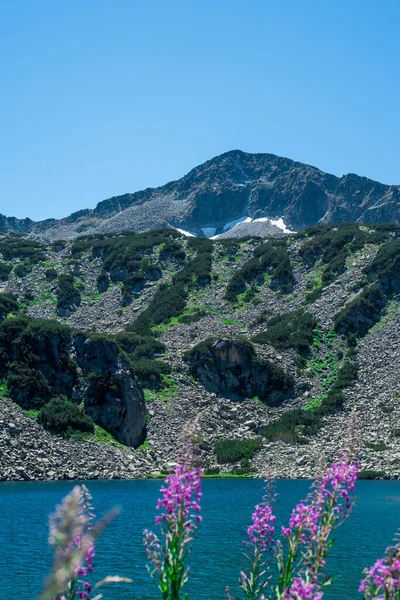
{"x":103,"y":97}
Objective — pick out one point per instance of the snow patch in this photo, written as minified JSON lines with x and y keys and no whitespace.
{"x":185,"y":232}
{"x":280,"y":223}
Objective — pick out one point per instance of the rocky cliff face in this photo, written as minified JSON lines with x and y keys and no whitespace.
{"x":41,"y":360}
{"x":229,"y":187}
{"x":232,"y":369}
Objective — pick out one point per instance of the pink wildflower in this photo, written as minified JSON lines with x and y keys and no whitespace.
{"x":262,"y":530}
{"x":302,"y":589}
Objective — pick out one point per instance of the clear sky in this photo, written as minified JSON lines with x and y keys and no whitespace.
{"x":103,"y":97}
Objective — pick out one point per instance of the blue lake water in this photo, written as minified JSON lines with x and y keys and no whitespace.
{"x":216,"y":557}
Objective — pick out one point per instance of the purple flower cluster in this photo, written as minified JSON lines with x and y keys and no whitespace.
{"x":182,"y":496}
{"x":179,"y":508}
{"x":302,"y":590}
{"x":335,"y":488}
{"x":340,"y":478}
{"x":382,"y":580}
{"x":82,"y":570}
{"x":304,"y":517}
{"x":262,"y":529}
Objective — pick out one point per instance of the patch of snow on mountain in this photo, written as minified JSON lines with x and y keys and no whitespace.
{"x":279,"y":223}
{"x":185,"y":232}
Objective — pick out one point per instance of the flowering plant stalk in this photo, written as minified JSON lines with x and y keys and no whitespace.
{"x":178,"y":517}
{"x":72,"y":539}
{"x":301,"y":569}
{"x":73,"y":535}
{"x":301,"y":554}
{"x":254,"y":579}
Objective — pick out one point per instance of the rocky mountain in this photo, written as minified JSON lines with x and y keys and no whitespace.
{"x":108,"y":344}
{"x":225,"y":190}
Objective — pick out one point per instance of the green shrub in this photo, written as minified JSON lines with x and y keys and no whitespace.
{"x":24,"y":248}
{"x":170,"y":300}
{"x":193,"y":317}
{"x":23,"y":269}
{"x":293,"y":425}
{"x":212,"y":471}
{"x":145,"y":368}
{"x":172,"y":250}
{"x":5,"y":270}
{"x":62,"y":416}
{"x":231,"y":451}
{"x":58,"y":245}
{"x":271,"y":258}
{"x":103,"y":282}
{"x":377,"y":447}
{"x":358,"y":316}
{"x":67,"y":292}
{"x":122,"y":254}
{"x":314,"y":294}
{"x":8,"y":303}
{"x":51,"y":274}
{"x":290,"y":330}
{"x":371,"y":474}
{"x":28,"y":361}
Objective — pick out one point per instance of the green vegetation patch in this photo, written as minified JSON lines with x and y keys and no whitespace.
{"x":23,"y":269}
{"x":231,"y":451}
{"x":333,"y":247}
{"x":294,"y":425}
{"x":28,"y":361}
{"x":62,"y":416}
{"x":358,"y":316}
{"x":371,"y":474}
{"x":291,"y":330}
{"x":272,"y":259}
{"x":68,"y":293}
{"x":5,"y":270}
{"x":382,"y":277}
{"x":18,"y":246}
{"x":8,"y":304}
{"x":170,"y":300}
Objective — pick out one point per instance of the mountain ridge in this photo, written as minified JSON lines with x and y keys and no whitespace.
{"x":228,"y":187}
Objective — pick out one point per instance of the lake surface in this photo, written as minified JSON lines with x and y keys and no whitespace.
{"x":216,"y":557}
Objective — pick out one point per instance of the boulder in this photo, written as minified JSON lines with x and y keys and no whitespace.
{"x":230,"y":367}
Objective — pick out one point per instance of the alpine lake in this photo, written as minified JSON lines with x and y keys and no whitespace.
{"x":217,"y":553}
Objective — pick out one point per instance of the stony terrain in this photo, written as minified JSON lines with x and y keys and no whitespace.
{"x":226,"y":188}
{"x":27,"y":451}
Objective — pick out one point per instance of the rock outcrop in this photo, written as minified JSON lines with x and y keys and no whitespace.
{"x":45,"y":359}
{"x":231,"y":368}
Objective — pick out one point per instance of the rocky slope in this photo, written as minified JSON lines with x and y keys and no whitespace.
{"x":272,"y":340}
{"x":228,"y":188}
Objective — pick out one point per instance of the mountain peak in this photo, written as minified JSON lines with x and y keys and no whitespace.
{"x":228,"y":188}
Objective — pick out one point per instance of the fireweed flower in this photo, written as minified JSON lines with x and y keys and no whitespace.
{"x":254,"y":580}
{"x":382,"y":580}
{"x":179,"y":513}
{"x":72,"y":540}
{"x":302,"y":589}
{"x":311,"y":524}
{"x":308,"y":537}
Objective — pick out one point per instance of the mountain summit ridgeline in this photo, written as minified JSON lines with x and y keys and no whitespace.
{"x":225,"y":190}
